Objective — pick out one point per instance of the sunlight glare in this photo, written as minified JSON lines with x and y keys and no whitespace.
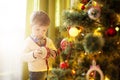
{"x":12,"y":25}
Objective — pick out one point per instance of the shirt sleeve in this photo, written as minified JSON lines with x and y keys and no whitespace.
{"x":27,"y":54}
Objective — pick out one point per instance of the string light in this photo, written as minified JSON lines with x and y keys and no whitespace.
{"x":73,"y":32}
{"x":106,"y":78}
{"x":94,"y":3}
{"x":117,"y":28}
{"x":73,"y":71}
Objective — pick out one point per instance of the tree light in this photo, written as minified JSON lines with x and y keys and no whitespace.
{"x":73,"y":31}
{"x":73,"y":71}
{"x":106,"y":78}
{"x":94,"y":3}
{"x":117,"y":28}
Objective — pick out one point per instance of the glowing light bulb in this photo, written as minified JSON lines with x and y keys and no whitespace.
{"x":99,"y":28}
{"x":73,"y":32}
{"x":117,"y":28}
{"x":73,"y":72}
{"x":106,"y":78}
{"x":94,"y":3}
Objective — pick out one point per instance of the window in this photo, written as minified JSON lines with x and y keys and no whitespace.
{"x":12,"y":25}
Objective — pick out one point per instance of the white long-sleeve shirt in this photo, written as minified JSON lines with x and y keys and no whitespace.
{"x":36,"y":64}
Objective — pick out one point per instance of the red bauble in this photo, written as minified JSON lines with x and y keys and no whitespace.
{"x":64,"y":65}
{"x":64,"y":44}
{"x":83,"y":7}
{"x":111,"y":32}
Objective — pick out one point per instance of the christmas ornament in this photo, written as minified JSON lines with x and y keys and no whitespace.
{"x":93,"y":42}
{"x":64,"y":43}
{"x":94,"y":13}
{"x":96,"y":68}
{"x":64,"y":65}
{"x":83,"y":7}
{"x":111,"y":32}
{"x":79,"y":6}
{"x":73,"y":31}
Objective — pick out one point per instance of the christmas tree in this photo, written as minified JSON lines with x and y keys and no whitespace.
{"x":89,"y":42}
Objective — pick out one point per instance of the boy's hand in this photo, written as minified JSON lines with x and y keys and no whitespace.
{"x":38,"y":52}
{"x":53,"y":53}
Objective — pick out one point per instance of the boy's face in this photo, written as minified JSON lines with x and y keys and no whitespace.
{"x":39,"y":31}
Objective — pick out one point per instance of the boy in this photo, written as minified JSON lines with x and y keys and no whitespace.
{"x":38,"y":48}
